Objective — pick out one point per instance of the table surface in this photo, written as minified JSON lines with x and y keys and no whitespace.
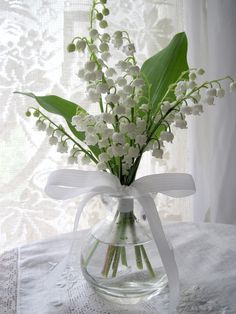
{"x":205,"y":254}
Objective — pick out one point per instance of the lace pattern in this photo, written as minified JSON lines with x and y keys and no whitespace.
{"x":8,"y":282}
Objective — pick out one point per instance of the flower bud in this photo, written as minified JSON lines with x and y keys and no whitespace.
{"x":36,"y":113}
{"x":200,"y":71}
{"x":106,"y":37}
{"x":99,"y":16}
{"x":103,"y":24}
{"x":105,"y":11}
{"x":71,"y":47}
{"x":28,"y":113}
{"x":192,"y":76}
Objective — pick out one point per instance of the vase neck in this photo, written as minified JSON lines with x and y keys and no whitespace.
{"x":125,"y":205}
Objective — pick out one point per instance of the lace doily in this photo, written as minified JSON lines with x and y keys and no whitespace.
{"x":8,"y":282}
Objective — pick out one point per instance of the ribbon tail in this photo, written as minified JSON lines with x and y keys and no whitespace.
{"x":165,"y":251}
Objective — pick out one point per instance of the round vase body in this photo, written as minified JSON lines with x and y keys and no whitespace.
{"x":120,"y":259}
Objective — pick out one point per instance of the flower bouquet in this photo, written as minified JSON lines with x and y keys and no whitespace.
{"x":136,"y":109}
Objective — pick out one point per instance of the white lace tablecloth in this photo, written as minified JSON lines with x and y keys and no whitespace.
{"x":205,"y":254}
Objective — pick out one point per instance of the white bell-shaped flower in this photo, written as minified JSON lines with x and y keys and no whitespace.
{"x":167,"y":136}
{"x":128,"y":89}
{"x":121,"y":81}
{"x":157,"y":152}
{"x":49,"y":130}
{"x":141,"y":139}
{"x":166,"y":106}
{"x":98,"y":74}
{"x":72,"y":160}
{"x":196,"y":96}
{"x":104,"y":47}
{"x":104,"y":157}
{"x":211,"y":92}
{"x":105,"y":56}
{"x":93,"y":48}
{"x":134,"y":70}
{"x":110,"y":72}
{"x":90,"y":76}
{"x":81,"y":45}
{"x":141,"y":125}
{"x":182,"y":124}
{"x":233,"y":86}
{"x":81,"y":73}
{"x":220,"y":92}
{"x":118,"y":138}
{"x":91,"y":139}
{"x":93,"y":34}
{"x":62,"y":147}
{"x":114,"y":98}
{"x":103,"y":143}
{"x":120,"y":110}
{"x":123,"y":65}
{"x":209,"y":100}
{"x":41,"y":126}
{"x":129,"y":49}
{"x":133,"y":152}
{"x":117,"y":150}
{"x":53,"y":140}
{"x":90,"y":66}
{"x":191,"y":84}
{"x":192,"y":76}
{"x":139,"y":82}
{"x":186,"y":110}
{"x":108,"y":117}
{"x":102,"y":88}
{"x":197,"y":109}
{"x":130,"y":102}
{"x":110,"y":82}
{"x":85,"y":160}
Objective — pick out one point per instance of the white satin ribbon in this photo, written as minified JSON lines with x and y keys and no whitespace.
{"x":67,"y":183}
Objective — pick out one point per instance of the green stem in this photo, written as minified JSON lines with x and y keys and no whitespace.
{"x":147,"y":262}
{"x":108,"y":260}
{"x":123,"y":256}
{"x":138,"y":256}
{"x":91,"y":253}
{"x":116,"y":261}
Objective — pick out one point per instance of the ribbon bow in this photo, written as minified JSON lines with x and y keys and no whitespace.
{"x":67,"y":183}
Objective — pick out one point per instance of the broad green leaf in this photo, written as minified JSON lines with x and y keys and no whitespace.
{"x":165,"y":67}
{"x":64,"y":108}
{"x":57,"y":105}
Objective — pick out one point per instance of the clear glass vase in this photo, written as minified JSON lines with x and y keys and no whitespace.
{"x":120,"y":259}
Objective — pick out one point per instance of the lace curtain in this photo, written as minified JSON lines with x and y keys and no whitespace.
{"x":211,"y":27}
{"x":33,"y":57}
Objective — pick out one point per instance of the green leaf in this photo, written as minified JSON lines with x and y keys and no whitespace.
{"x":165,"y":67}
{"x":57,"y":105}
{"x":64,"y":108}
